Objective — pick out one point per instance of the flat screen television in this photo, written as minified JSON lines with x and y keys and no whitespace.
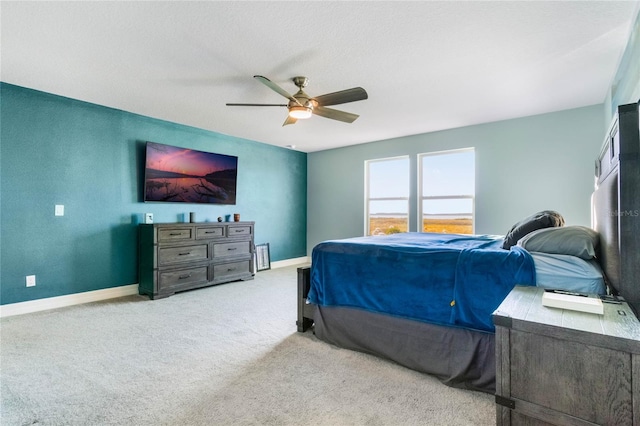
{"x":182,"y":175}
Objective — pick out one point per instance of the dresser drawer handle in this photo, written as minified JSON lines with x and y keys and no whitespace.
{"x":232,"y":248}
{"x":184,"y":254}
{"x":231,"y":269}
{"x":175,"y":233}
{"x":184,"y":277}
{"x":209,"y":232}
{"x":239,"y":230}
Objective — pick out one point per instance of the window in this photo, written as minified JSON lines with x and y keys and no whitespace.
{"x":447,"y":191}
{"x":387,"y":195}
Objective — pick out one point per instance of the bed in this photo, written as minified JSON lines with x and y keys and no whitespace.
{"x":425,"y":300}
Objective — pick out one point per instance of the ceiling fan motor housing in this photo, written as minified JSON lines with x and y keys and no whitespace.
{"x":300,"y":81}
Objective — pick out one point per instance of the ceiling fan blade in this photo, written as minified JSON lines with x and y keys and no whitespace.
{"x":289,"y":120}
{"x":235,"y":104}
{"x":273,"y":86}
{"x":335,"y":114}
{"x":342,"y":97}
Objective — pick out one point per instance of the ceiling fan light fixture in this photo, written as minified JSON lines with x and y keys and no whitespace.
{"x":299,"y":112}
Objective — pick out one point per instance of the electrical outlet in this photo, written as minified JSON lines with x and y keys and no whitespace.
{"x":31,"y":280}
{"x":59,"y":210}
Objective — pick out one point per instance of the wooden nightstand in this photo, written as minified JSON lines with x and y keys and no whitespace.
{"x":561,"y":367}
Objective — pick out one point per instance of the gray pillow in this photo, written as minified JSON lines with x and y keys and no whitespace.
{"x":578,"y":241}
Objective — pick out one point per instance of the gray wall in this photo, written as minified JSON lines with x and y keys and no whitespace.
{"x":626,"y":83}
{"x":522,"y":166}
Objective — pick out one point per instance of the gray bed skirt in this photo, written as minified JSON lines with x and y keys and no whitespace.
{"x":459,"y":357}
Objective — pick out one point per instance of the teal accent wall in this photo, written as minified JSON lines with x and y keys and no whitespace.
{"x":90,"y":158}
{"x":523,"y":166}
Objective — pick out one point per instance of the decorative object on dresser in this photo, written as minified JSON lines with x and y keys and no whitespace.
{"x":561,"y":367}
{"x":263,"y":260}
{"x":175,"y":257}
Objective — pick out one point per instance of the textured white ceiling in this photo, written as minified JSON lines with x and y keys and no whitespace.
{"x":427,"y":66}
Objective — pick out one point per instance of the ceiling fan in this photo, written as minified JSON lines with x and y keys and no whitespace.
{"x":302,"y":106}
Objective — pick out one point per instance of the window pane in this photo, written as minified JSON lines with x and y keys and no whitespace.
{"x":450,"y":216}
{"x":389,"y":178}
{"x":388,"y":217}
{"x":448,"y":174}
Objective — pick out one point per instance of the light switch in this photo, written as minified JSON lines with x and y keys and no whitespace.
{"x":31,"y":280}
{"x":59,"y":210}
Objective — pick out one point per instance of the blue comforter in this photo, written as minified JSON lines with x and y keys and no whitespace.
{"x":445,"y":279}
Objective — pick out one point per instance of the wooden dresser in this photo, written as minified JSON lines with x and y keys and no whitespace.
{"x":182,"y":256}
{"x":561,"y":367}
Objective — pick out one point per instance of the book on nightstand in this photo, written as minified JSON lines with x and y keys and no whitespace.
{"x":572,"y":301}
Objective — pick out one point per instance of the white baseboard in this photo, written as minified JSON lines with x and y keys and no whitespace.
{"x":290,"y":262}
{"x":98,"y":295}
{"x":68,"y":300}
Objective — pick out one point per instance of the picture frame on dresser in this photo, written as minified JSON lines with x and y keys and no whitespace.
{"x":263,"y":260}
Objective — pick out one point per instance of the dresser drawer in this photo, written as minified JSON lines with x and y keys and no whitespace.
{"x":182,"y":254}
{"x":209,"y":232}
{"x":232,"y":249}
{"x":182,"y":278}
{"x":175,"y":234}
{"x":236,"y":231}
{"x":227,"y":270}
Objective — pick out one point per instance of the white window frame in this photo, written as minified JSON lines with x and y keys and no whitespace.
{"x":421,"y":198}
{"x":367,"y":194}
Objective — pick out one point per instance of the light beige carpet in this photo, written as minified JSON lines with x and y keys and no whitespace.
{"x":223,"y":355}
